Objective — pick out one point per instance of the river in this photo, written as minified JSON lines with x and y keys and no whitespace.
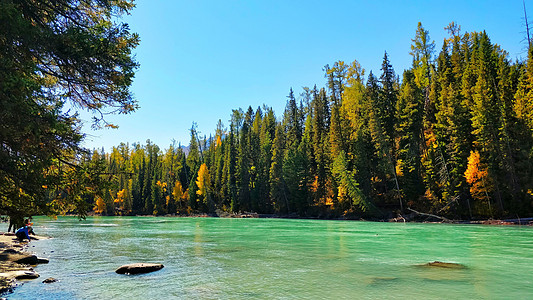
{"x":216,"y":258}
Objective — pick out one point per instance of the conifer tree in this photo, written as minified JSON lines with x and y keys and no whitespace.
{"x":422,"y":51}
{"x":355,"y":108}
{"x":230,"y":170}
{"x":266,"y":137}
{"x":320,"y":122}
{"x":410,"y":109}
{"x":387,"y":98}
{"x":348,"y":188}
{"x":244,"y":162}
{"x":485,"y":111}
{"x":256,"y":180}
{"x":278,"y":191}
{"x":384,"y":166}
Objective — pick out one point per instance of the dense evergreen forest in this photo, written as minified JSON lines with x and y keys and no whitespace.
{"x":451,"y":136}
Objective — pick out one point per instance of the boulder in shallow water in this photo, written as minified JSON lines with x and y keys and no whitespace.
{"x":30,"y":260}
{"x":21,"y":257}
{"x":42,"y":260}
{"x":49,"y":280}
{"x":445,"y":265}
{"x":19,"y":274}
{"x":138,"y":268}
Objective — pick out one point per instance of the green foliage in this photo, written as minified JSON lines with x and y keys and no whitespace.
{"x":51,"y":53}
{"x":348,"y":188}
{"x":422,"y":51}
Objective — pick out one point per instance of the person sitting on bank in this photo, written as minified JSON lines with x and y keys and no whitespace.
{"x":24,"y":233}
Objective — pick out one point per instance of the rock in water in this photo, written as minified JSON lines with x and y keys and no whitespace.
{"x":20,"y":274}
{"x":42,"y":260}
{"x":21,"y":257}
{"x":138,"y":268}
{"x":49,"y":280}
{"x":440,"y":264}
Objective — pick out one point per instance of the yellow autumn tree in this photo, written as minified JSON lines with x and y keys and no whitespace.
{"x":203,"y":182}
{"x":177,"y":193}
{"x":120,"y":197}
{"x":219,"y":141}
{"x":162,"y":185}
{"x":185,"y":199}
{"x":477,"y":176}
{"x":100,"y":205}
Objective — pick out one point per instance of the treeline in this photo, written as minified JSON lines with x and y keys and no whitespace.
{"x":453,"y":137}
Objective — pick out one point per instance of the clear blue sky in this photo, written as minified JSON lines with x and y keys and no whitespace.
{"x":202,"y":58}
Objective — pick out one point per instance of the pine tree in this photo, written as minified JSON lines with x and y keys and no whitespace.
{"x":523,"y":105}
{"x":348,"y":188}
{"x":422,"y":51}
{"x":255,"y":161}
{"x":485,"y":110}
{"x":218,"y":164}
{"x":193,"y":164}
{"x":244,"y":162}
{"x":278,"y":191}
{"x":387,"y":98}
{"x":320,"y":122}
{"x":410,"y":109}
{"x":230,"y":170}
{"x":452,"y":125}
{"x":336,"y":81}
{"x":266,"y":136}
{"x":138,"y":200}
{"x":386,"y":181}
{"x":355,"y":108}
{"x":294,"y":164}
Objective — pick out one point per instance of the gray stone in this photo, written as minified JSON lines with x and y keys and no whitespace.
{"x":42,"y":260}
{"x":19,"y":275}
{"x":138,"y":268}
{"x":28,"y":275}
{"x":49,"y":280}
{"x":25,"y":259}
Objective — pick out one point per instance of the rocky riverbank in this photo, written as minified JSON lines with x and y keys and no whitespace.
{"x":16,"y":263}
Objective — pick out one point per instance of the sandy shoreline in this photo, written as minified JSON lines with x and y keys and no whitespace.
{"x":16,"y":262}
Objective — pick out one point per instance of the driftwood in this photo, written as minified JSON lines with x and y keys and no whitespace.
{"x":431,"y":215}
{"x":524,"y":221}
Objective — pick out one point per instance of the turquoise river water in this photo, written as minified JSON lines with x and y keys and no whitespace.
{"x":214,"y":258}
